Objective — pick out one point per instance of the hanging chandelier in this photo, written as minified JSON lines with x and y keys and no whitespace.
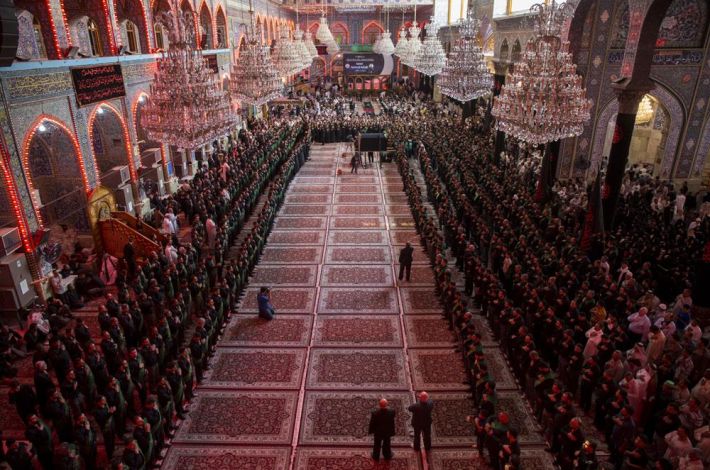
{"x":465,"y":76}
{"x":402,"y":44}
{"x":413,"y":46}
{"x":187,"y":106}
{"x":326,"y":37}
{"x":285,"y":55}
{"x":543,"y":99}
{"x":431,"y":57}
{"x":303,"y":52}
{"x":254,"y":79}
{"x":376,"y":45}
{"x":386,"y":45}
{"x":312,"y":50}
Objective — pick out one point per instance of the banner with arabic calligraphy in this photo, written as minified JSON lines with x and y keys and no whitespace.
{"x":97,"y":83}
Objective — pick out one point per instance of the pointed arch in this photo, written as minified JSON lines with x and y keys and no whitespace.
{"x":124,"y":128}
{"x":370,"y":26}
{"x":27,"y":140}
{"x":205,"y":22}
{"x":221,"y":28}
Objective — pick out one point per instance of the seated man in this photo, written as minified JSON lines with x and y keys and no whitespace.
{"x":266,"y":310}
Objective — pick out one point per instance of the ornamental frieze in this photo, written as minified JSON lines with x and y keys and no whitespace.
{"x":38,"y":85}
{"x":139,"y":72}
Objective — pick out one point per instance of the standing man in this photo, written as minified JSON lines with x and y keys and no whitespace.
{"x":382,"y":427}
{"x":421,"y":421}
{"x":405,"y":260}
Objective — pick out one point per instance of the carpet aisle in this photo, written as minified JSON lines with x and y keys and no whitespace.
{"x":296,"y":392}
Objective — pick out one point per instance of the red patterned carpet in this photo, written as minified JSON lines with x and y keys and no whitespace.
{"x":296,"y":393}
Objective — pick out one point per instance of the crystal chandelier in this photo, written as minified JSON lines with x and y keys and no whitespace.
{"x":402,"y":44}
{"x":254,"y":79}
{"x":413,"y":46}
{"x":376,"y":45}
{"x":386,"y":46}
{"x":312,"y":50}
{"x":326,"y":37}
{"x":303,"y":52}
{"x":187,"y":106}
{"x":543,"y":99}
{"x":431,"y":57}
{"x":465,"y":76}
{"x":286,"y":57}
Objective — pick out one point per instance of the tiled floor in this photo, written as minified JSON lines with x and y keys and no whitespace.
{"x":295,"y":393}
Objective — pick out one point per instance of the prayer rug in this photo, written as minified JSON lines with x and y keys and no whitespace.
{"x":357,"y":210}
{"x":306,"y":179}
{"x":428,"y":331}
{"x":400,"y":237}
{"x":356,"y":369}
{"x":311,"y":188}
{"x":182,"y":457}
{"x":398,"y":210}
{"x":290,"y":237}
{"x":357,"y":300}
{"x":362,"y":331}
{"x":284,"y":300}
{"x":437,"y":369}
{"x":342,"y":418}
{"x":498,"y":367}
{"x":291,"y":255}
{"x":401,"y":222}
{"x":263,"y":368}
{"x":282,"y":331}
{"x":357,"y":188}
{"x":352,"y":459}
{"x":357,"y":237}
{"x":302,"y":275}
{"x":357,"y":223}
{"x":300,"y":223}
{"x":420,"y":275}
{"x":305,"y":209}
{"x":358,"y":255}
{"x":308,"y":199}
{"x":239,"y":417}
{"x":358,"y":198}
{"x":334,"y":275}
{"x":420,"y":300}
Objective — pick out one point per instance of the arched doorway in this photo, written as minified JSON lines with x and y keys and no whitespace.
{"x":131,"y":20}
{"x":54,"y":170}
{"x":111,"y":147}
{"x":656,"y":133}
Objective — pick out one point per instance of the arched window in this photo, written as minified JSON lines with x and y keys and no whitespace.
{"x":159,"y":36}
{"x":39,"y":39}
{"x":94,"y":38}
{"x":132,"y":37}
{"x":221,"y":30}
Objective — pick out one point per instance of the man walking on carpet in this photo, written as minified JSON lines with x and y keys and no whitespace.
{"x":382,"y":427}
{"x":405,"y":260}
{"x":421,"y":421}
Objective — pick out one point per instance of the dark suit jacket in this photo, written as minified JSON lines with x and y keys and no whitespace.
{"x":421,"y":414}
{"x":382,"y":422}
{"x":405,"y":254}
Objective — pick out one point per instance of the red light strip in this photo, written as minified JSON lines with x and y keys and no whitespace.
{"x":109,"y":28}
{"x":15,"y":201}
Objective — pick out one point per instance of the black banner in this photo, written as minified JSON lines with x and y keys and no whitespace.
{"x":98,"y":83}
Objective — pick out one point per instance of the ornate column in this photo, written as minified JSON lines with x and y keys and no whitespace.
{"x":629,"y":100}
{"x":60,"y":27}
{"x":501,"y":68}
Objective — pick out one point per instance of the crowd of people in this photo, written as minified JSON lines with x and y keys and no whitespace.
{"x":603,"y":342}
{"x":133,"y":383}
{"x":609,"y":335}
